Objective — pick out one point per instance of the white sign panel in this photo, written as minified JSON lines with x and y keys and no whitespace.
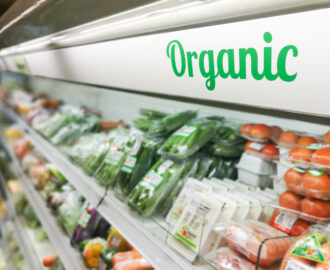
{"x":280,"y":62}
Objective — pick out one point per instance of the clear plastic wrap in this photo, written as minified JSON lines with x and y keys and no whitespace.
{"x":310,"y":183}
{"x":155,"y":185}
{"x":189,"y":138}
{"x":312,"y":156}
{"x":256,"y":132}
{"x":310,"y":251}
{"x":140,"y":157}
{"x":248,"y":236}
{"x":290,"y":138}
{"x":166,"y":125}
{"x":262,"y":150}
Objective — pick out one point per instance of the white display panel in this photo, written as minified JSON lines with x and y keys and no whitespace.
{"x":141,"y":63}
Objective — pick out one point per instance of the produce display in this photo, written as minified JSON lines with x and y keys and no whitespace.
{"x":209,"y":180}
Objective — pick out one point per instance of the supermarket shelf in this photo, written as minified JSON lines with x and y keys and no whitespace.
{"x":69,"y":257}
{"x":25,"y":247}
{"x":4,"y":247}
{"x":116,"y":213}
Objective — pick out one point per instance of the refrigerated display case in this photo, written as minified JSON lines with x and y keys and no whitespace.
{"x":221,"y":119}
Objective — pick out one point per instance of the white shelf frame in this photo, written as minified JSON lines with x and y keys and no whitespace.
{"x":114,"y":211}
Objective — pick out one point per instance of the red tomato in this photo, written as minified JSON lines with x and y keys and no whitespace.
{"x":315,"y":207}
{"x":288,"y":139}
{"x":306,"y":140}
{"x":260,"y":131}
{"x":316,"y":186}
{"x":299,"y":227}
{"x":322,"y":156}
{"x":276,"y":132}
{"x":290,"y":200}
{"x":270,"y":150}
{"x":293,"y":180}
{"x":300,"y":154}
{"x":246,"y":129}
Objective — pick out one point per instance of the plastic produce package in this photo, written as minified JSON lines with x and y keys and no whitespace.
{"x":189,"y":138}
{"x":141,"y":154}
{"x":310,"y":251}
{"x":155,"y":185}
{"x":148,"y":117}
{"x":110,"y":167}
{"x":258,"y":132}
{"x":313,"y":156}
{"x":246,"y":238}
{"x":228,"y":259}
{"x":310,"y":183}
{"x":91,"y":251}
{"x":263,"y":150}
{"x":164,"y":126}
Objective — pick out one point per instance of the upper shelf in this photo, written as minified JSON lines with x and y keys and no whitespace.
{"x":138,"y":231}
{"x":131,"y":18}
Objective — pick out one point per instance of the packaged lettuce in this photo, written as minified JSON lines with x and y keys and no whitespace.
{"x":155,"y":186}
{"x":164,"y":126}
{"x":189,"y":138}
{"x":140,"y":156}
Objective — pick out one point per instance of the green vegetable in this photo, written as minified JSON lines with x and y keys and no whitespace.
{"x":188,"y":139}
{"x":228,"y":151}
{"x":152,"y":114}
{"x":155,"y":186}
{"x":105,"y":258}
{"x":166,"y":125}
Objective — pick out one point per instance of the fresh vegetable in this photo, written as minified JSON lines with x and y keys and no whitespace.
{"x":293,"y":179}
{"x":326,"y":138}
{"x":316,"y":184}
{"x":166,"y":125}
{"x":49,"y":261}
{"x":306,"y":140}
{"x":246,"y":238}
{"x":136,"y":264}
{"x":125,"y":256}
{"x":289,"y":223}
{"x":246,"y":129}
{"x":227,"y":135}
{"x":289,"y":139}
{"x":290,"y":200}
{"x":226,"y":151}
{"x":153,"y":114}
{"x":260,"y":132}
{"x":315,"y":207}
{"x":189,"y":138}
{"x":300,"y":154}
{"x":139,"y":159}
{"x":92,"y":250}
{"x":322,"y":157}
{"x":155,"y":185}
{"x":105,"y":258}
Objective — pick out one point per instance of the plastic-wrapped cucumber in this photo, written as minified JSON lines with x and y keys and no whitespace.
{"x":138,"y":161}
{"x":189,"y":139}
{"x":190,"y":169}
{"x":155,"y":186}
{"x":107,"y":172}
{"x":227,"y":151}
{"x":228,"y":136}
{"x":170,"y":123}
{"x":205,"y":165}
{"x":95,"y":158}
{"x":152,"y":114}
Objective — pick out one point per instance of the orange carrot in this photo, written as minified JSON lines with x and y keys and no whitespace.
{"x":137,"y":264}
{"x":124,"y":256}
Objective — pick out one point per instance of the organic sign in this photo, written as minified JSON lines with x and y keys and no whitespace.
{"x":223,"y":66}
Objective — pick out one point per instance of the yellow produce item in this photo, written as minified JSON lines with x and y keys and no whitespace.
{"x":13,"y":133}
{"x":116,"y":240}
{"x":92,"y":251}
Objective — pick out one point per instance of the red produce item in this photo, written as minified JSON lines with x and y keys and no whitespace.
{"x":300,"y":154}
{"x":326,"y":138}
{"x":289,"y":223}
{"x":293,"y":178}
{"x":260,"y":132}
{"x":246,"y":129}
{"x":322,"y":157}
{"x":315,"y":207}
{"x":124,"y":256}
{"x":288,"y":139}
{"x":290,"y":200}
{"x":316,"y":184}
{"x":246,"y":238}
{"x":306,"y":140}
